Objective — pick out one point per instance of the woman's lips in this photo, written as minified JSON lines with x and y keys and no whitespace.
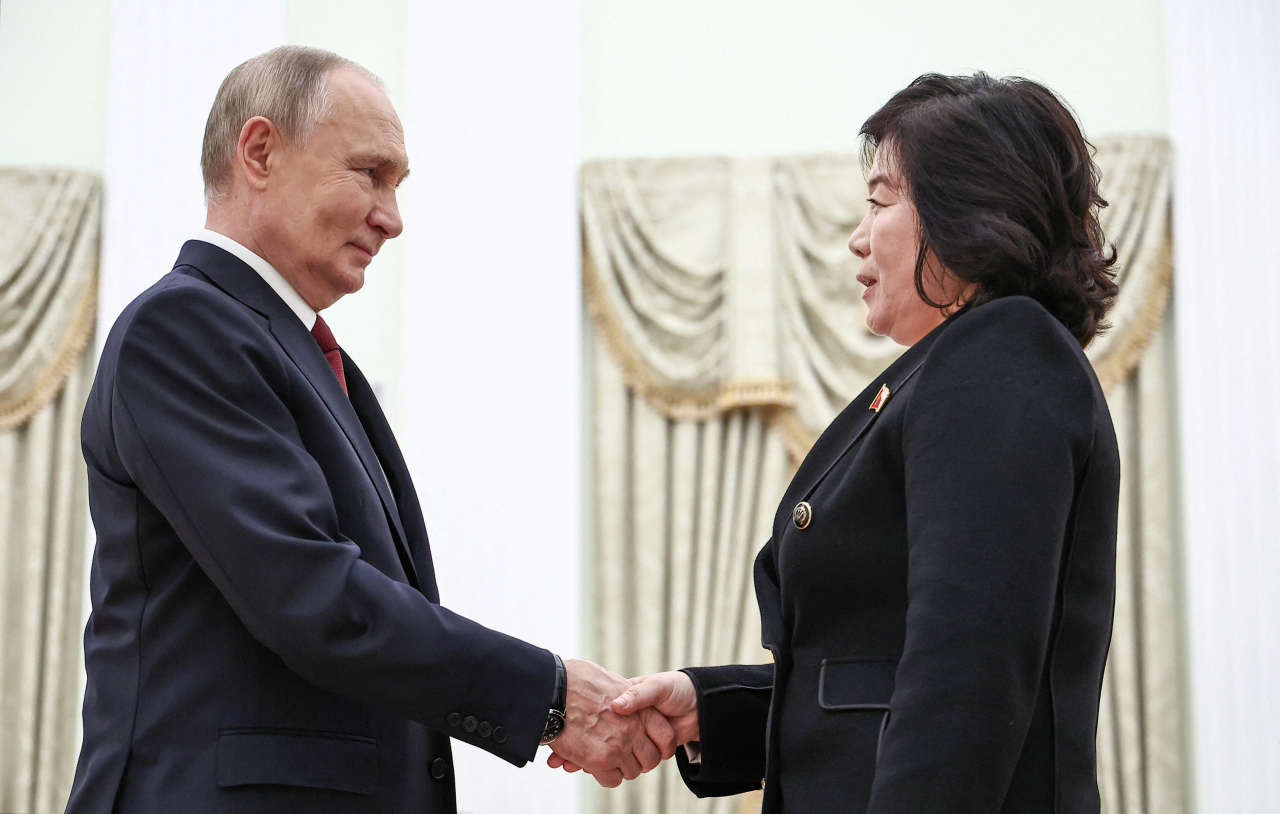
{"x":867,"y":282}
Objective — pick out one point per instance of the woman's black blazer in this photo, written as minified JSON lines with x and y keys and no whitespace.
{"x":940,"y":624}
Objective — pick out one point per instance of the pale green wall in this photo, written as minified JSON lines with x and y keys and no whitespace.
{"x":673,"y":77}
{"x":373,"y":34}
{"x":659,"y":77}
{"x":53,"y":82}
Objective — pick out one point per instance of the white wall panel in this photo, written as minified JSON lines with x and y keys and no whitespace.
{"x":1225,"y":117}
{"x":166,"y":63}
{"x":490,"y":408}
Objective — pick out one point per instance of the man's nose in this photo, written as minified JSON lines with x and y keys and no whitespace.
{"x":385,"y":217}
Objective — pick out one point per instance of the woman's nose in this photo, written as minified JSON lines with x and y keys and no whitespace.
{"x":859,"y":241}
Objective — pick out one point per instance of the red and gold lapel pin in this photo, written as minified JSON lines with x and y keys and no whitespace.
{"x":880,"y":398}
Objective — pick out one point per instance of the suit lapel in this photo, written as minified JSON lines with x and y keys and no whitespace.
{"x":384,"y":444}
{"x":236,"y":278}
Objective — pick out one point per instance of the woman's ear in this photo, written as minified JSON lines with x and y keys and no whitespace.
{"x":944,"y":286}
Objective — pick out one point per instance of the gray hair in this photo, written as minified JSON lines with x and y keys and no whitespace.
{"x":288,"y":85}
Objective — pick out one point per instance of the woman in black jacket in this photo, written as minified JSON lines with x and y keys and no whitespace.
{"x":938,"y":589}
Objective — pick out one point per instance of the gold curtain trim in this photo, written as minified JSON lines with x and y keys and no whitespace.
{"x":672,"y":403}
{"x":16,"y":412}
{"x":785,"y":421}
{"x":1119,"y":363}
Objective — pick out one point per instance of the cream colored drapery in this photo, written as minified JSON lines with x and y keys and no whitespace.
{"x":49,"y":222}
{"x":730,"y":332}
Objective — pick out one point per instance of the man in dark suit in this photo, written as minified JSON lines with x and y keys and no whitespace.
{"x":266,"y":632}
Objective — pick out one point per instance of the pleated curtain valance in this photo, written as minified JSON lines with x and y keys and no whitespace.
{"x":49,"y":227}
{"x":721,"y":283}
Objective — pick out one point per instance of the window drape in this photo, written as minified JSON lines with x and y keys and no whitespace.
{"x":49,"y":225}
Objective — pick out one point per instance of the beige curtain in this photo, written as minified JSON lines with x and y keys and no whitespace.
{"x":682,"y":508}
{"x":731,"y":333}
{"x":1141,"y":735}
{"x":49,"y":221}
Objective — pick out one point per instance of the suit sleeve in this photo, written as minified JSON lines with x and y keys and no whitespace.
{"x":201,"y":422}
{"x":999,"y":425}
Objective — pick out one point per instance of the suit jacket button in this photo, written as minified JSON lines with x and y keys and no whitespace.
{"x":454,"y":719}
{"x":469,"y":724}
{"x":439,"y":768}
{"x":485,"y":729}
{"x":499,"y":735}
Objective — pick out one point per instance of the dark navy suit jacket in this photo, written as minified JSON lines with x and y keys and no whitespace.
{"x":940,"y":624}
{"x":266,"y":634}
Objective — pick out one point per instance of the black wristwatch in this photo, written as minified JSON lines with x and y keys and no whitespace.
{"x":555,"y":718}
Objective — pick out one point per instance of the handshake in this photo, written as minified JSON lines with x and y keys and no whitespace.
{"x":616,"y":728}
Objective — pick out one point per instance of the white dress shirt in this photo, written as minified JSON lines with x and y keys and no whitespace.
{"x":267,"y":272}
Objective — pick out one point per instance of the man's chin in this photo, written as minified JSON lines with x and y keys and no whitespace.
{"x":353,"y":279}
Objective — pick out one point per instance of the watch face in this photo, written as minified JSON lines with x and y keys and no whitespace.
{"x":555,"y":725}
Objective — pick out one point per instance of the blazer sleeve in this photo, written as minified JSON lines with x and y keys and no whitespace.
{"x":999,"y":425}
{"x":733,"y":713}
{"x":733,"y":708}
{"x":201,"y":424}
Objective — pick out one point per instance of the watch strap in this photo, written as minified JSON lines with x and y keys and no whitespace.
{"x":561,"y":701}
{"x":556,"y":715}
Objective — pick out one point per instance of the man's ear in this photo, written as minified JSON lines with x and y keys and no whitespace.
{"x":259,"y":140}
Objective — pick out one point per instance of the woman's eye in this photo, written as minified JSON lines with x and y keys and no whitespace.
{"x":873,"y":202}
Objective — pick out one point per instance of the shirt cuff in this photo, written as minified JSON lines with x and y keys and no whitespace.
{"x":693,"y":751}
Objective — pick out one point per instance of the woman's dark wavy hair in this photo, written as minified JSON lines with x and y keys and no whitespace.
{"x":1006,"y":190}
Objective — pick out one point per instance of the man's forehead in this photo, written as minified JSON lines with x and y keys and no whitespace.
{"x":366,"y":119}
{"x":358,"y":96}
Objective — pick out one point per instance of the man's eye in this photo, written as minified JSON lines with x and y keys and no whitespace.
{"x":369,"y":171}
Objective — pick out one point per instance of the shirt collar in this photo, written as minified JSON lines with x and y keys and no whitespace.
{"x":267,"y":272}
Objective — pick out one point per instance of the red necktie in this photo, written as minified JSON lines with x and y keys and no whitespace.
{"x":329,"y":345}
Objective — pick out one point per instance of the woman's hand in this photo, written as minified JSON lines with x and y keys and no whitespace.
{"x":671,"y":694}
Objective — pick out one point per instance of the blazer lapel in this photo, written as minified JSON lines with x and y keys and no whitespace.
{"x":232,"y":275}
{"x":847,"y":429}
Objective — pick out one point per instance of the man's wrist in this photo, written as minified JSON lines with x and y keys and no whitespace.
{"x":559,"y":701}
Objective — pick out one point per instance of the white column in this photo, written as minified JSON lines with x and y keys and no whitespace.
{"x":490,"y":412}
{"x":167,"y":61}
{"x":1225,"y":115}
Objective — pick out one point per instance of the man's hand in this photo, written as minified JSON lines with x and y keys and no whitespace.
{"x":671,"y":695}
{"x":608,"y":745}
